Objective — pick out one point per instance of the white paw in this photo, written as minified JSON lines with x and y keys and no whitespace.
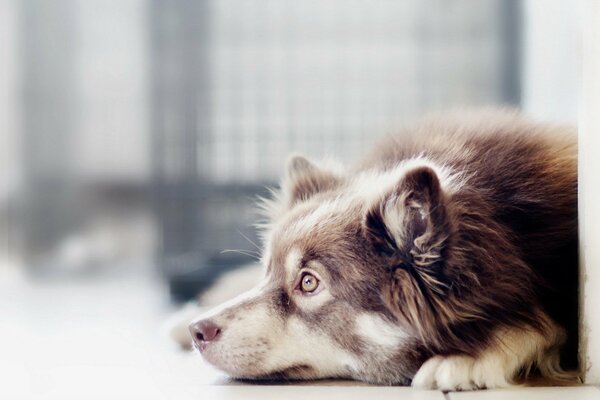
{"x":425,"y":376}
{"x":459,"y":373}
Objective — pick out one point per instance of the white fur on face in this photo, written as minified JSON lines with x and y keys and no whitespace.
{"x":292,"y":263}
{"x":323,"y":214}
{"x":243,"y":341}
{"x":302,"y":345}
{"x":377,"y":331}
{"x":249,"y":295}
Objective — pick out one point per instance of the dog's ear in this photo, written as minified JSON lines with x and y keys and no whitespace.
{"x":410,"y":219}
{"x":408,"y":227}
{"x":305,"y":179}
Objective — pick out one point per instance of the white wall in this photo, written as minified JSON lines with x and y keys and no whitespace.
{"x":551,"y":59}
{"x":589,"y":181}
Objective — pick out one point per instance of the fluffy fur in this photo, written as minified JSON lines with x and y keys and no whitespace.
{"x":447,"y":258}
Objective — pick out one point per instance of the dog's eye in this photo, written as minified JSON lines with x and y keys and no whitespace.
{"x":309,"y":283}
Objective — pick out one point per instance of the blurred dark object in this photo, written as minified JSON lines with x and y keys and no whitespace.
{"x":191,"y":274}
{"x":207,"y":230}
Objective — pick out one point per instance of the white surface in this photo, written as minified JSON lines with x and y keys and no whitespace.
{"x":97,"y":338}
{"x":545,"y":393}
{"x":317,"y":392}
{"x":589,"y":184}
{"x":103,"y":338}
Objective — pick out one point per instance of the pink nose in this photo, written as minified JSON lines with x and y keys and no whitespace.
{"x":203,"y":332}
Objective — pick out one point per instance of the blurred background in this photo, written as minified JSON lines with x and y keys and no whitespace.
{"x":136,"y":134}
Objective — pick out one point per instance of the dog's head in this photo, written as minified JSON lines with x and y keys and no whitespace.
{"x":350,"y":263}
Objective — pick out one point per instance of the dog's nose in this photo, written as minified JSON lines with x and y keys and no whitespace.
{"x":204,"y":331}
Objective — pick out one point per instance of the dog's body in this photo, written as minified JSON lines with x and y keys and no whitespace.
{"x":447,"y":258}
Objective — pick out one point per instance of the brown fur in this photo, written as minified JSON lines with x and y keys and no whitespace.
{"x":499,"y":251}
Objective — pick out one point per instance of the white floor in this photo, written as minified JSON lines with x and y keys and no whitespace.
{"x":104,"y":339}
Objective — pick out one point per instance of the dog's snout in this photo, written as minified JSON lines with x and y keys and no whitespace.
{"x":204,"y":331}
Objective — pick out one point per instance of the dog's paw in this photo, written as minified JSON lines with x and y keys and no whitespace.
{"x":459,"y":373}
{"x":445,"y":373}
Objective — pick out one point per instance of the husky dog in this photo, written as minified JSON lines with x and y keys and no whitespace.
{"x":446,"y":259}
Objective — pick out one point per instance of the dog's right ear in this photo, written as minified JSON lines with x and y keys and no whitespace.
{"x":304,"y":179}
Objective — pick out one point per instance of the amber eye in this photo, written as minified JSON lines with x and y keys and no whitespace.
{"x":309,"y":283}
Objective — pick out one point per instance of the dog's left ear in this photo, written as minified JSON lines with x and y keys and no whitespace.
{"x":305,"y":179}
{"x":410,"y":220}
{"x":409,"y":228}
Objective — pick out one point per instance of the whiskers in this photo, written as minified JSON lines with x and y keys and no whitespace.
{"x":249,"y":253}
{"x":250,"y":241}
{"x":254,"y":254}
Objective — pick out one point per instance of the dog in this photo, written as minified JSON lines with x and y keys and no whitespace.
{"x":446,"y":259}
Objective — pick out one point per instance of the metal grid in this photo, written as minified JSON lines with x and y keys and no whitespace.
{"x":323,"y":77}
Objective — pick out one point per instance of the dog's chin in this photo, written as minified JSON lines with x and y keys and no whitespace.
{"x":217,"y":360}
{"x":238,"y":369}
{"x":251,"y":371}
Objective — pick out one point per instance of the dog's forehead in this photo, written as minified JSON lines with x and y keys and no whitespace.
{"x":312,"y":228}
